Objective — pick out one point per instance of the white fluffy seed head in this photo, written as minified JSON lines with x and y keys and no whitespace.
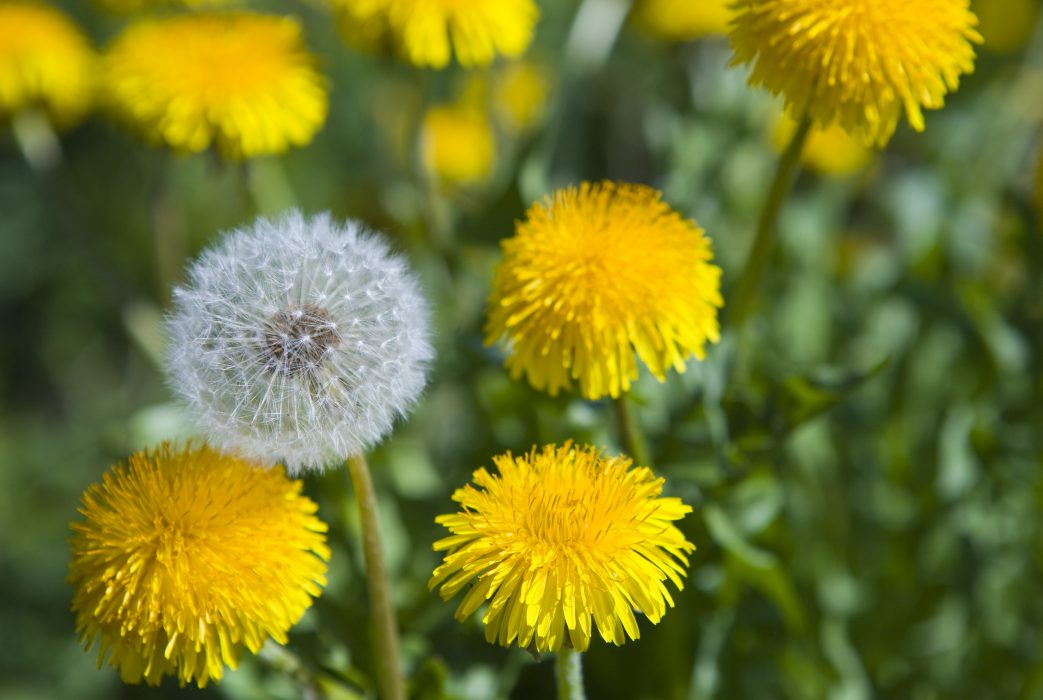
{"x":298,"y":340}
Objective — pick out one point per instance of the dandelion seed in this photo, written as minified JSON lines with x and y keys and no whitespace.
{"x":595,"y":276}
{"x":560,"y":537}
{"x":298,"y":339}
{"x":186,"y":557}
{"x":859,"y":63}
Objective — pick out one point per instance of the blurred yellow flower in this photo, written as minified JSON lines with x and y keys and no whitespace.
{"x":242,"y":83}
{"x":859,"y":63}
{"x":683,"y":20}
{"x":558,"y":537}
{"x":46,"y":63}
{"x":429,"y":32}
{"x":595,"y":275}
{"x":185,"y":557}
{"x":457,"y":144}
{"x":520,"y":94}
{"x":1006,"y":24}
{"x":828,"y":150}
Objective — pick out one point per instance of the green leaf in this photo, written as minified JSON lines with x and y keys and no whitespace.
{"x":756,"y":567}
{"x":802,"y":399}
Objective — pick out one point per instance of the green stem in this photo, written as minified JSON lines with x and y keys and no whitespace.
{"x":270,"y":187}
{"x":593,"y":35}
{"x":569,"y":672}
{"x":246,"y":193}
{"x":385,"y":630}
{"x":764,"y":243}
{"x":438,"y":221}
{"x":629,"y":430}
{"x":168,"y":233}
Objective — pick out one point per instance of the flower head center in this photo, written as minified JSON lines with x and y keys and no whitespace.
{"x":579,"y":517}
{"x":297,"y":341}
{"x":171,"y":540}
{"x":558,"y":520}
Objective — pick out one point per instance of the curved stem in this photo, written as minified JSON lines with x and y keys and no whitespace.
{"x":569,"y":673}
{"x":764,"y":242}
{"x":629,"y":430}
{"x":385,"y":629}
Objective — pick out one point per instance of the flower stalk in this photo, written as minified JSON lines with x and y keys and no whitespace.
{"x":764,"y":242}
{"x":569,"y":674}
{"x":631,"y":436}
{"x":385,"y":628}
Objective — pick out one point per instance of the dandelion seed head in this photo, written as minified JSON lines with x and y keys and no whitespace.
{"x":299,"y":339}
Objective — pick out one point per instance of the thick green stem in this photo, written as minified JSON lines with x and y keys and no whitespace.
{"x":629,"y":430}
{"x":385,"y":629}
{"x":269,"y":186}
{"x":764,"y":243}
{"x":569,"y":672}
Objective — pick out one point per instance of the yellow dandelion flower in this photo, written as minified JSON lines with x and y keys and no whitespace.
{"x":558,"y":537}
{"x":46,"y":63}
{"x":241,"y":83}
{"x":185,"y":557}
{"x":859,"y":63}
{"x":1006,"y":25}
{"x":457,"y":144}
{"x":429,"y":32}
{"x":520,"y":95}
{"x":595,"y":275}
{"x":828,"y":150}
{"x":683,"y":20}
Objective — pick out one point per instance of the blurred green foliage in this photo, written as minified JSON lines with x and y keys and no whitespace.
{"x":865,"y":460}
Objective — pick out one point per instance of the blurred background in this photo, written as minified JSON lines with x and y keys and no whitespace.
{"x":865,"y":461}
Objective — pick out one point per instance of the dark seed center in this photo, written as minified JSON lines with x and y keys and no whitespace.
{"x":297,"y":341}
